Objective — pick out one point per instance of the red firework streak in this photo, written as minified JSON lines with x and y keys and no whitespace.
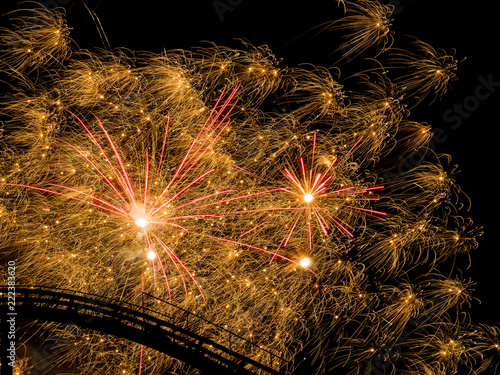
{"x":309,"y":186}
{"x":124,"y":200}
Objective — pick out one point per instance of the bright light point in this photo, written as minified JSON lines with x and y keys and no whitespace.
{"x":151,"y":255}
{"x":305,"y":262}
{"x":141,"y":222}
{"x":308,"y":198}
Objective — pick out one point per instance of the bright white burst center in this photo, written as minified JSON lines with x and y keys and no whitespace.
{"x":305,"y":262}
{"x":141,"y":222}
{"x":151,"y":255}
{"x":308,"y":198}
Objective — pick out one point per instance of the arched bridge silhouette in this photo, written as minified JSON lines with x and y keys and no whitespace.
{"x":169,"y":334}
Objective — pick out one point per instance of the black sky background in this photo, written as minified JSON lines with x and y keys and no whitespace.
{"x":470,"y":27}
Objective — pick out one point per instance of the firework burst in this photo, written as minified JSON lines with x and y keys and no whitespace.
{"x":171,"y":178}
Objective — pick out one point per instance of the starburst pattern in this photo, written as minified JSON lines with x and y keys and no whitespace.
{"x":174,"y":176}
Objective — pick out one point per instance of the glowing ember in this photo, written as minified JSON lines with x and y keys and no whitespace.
{"x":305,"y":262}
{"x":308,"y":198}
{"x":141,"y":222}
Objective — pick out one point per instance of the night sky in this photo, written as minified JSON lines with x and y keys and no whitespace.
{"x":471,"y":134}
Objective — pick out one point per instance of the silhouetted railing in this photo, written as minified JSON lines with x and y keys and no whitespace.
{"x":214,"y":351}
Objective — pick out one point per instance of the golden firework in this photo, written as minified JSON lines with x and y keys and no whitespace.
{"x":168,"y":176}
